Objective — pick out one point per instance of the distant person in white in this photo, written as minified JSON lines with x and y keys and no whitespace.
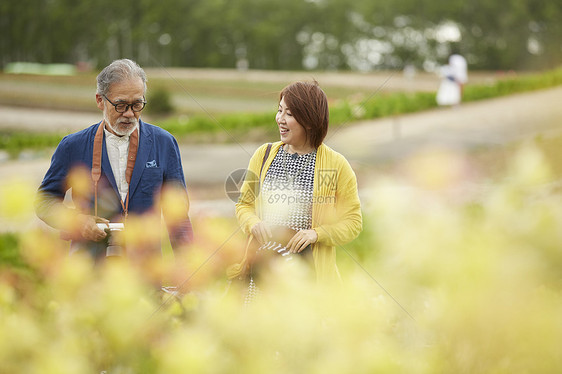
{"x":454,"y":77}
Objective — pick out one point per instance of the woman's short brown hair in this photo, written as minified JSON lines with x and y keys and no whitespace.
{"x":309,"y":105}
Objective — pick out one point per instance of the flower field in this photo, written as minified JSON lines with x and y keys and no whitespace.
{"x":442,"y":280}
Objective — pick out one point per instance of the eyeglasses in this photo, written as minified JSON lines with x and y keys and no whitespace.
{"x":123,"y":107}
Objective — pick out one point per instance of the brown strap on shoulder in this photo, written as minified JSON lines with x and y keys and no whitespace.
{"x":268,"y":149}
{"x":96,"y":164}
{"x":131,"y":159}
{"x":265,"y":157}
{"x":133,"y":148}
{"x":96,"y":155}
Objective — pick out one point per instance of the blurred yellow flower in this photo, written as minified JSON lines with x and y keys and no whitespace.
{"x":16,"y":202}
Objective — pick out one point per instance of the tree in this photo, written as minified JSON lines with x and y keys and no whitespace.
{"x":283,"y":34}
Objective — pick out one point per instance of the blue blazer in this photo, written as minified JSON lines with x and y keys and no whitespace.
{"x":158,"y":162}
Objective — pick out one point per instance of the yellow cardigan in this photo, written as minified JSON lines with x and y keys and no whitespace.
{"x":336,"y":210}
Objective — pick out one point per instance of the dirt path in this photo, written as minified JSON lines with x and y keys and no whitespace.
{"x":497,"y":121}
{"x":484,"y":123}
{"x":27,"y":119}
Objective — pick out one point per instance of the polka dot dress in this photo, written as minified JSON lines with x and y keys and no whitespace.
{"x":286,"y":200}
{"x":287,"y":190}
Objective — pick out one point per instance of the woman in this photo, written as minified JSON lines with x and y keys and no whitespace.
{"x":303,"y":185}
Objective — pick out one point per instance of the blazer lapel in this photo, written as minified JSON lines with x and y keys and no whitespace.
{"x":145,"y":145}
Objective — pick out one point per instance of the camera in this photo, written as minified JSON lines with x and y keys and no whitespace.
{"x":114,"y":248}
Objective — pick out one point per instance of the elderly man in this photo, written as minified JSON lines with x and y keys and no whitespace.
{"x":118,"y":171}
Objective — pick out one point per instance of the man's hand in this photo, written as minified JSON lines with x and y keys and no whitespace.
{"x":88,"y":229}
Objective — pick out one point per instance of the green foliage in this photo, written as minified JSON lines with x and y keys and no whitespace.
{"x":9,"y":251}
{"x":515,"y":84}
{"x":159,"y":101}
{"x":15,"y":142}
{"x":219,"y":33}
{"x":398,"y":103}
{"x":236,"y":122}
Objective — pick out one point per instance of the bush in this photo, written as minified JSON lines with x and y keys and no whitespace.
{"x":159,"y":101}
{"x":10,"y":255}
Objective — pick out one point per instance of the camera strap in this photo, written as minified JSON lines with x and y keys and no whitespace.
{"x":96,"y":165}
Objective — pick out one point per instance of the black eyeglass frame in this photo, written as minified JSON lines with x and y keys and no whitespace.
{"x":127,"y":106}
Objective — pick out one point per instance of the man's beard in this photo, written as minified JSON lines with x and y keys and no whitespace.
{"x":123,"y":126}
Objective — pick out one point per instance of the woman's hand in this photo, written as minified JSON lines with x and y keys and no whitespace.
{"x":301,"y":240}
{"x":261,"y":232}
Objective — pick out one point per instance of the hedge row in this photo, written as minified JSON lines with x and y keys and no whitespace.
{"x":375,"y":106}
